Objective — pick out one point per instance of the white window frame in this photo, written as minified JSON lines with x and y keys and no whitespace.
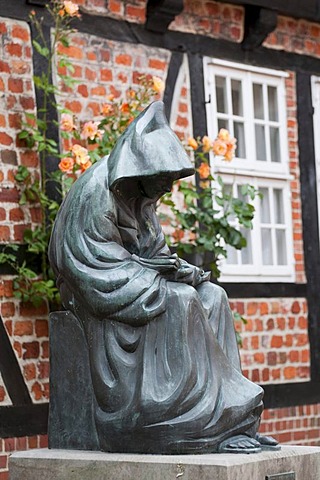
{"x":249,"y":170}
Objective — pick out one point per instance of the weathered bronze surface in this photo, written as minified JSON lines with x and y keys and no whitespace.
{"x":159,"y":368}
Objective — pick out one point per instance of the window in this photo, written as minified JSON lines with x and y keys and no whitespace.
{"x":250,"y":103}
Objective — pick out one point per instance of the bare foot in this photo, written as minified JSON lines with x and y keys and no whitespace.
{"x":267,"y":443}
{"x":239,"y":444}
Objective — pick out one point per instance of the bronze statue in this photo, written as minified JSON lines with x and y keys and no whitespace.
{"x":159,"y":353}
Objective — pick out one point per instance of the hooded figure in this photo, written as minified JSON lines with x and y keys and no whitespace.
{"x":164,"y":361}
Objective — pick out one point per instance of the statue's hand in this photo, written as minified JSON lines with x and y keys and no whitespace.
{"x":191,"y":275}
{"x":163,"y":265}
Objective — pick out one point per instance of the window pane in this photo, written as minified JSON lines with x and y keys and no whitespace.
{"x":281,"y":247}
{"x":266,"y":246}
{"x":221,"y":93}
{"x":258,"y":101}
{"x":275,"y":144}
{"x":231,"y":255}
{"x":246,"y":253}
{"x":236,"y":88}
{"x":264,"y":206}
{"x":238,"y":131}
{"x":223,"y":124}
{"x":273,"y":104}
{"x":260,"y":143}
{"x":278,"y":206}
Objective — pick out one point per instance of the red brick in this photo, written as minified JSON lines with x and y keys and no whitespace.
{"x":33,"y":442}
{"x":136,"y":12}
{"x":23,"y":327}
{"x":27,"y":103}
{"x":20,"y":67}
{"x":2,"y":121}
{"x":2,"y":394}
{"x":45,"y":349}
{"x":7,"y":309}
{"x":14,"y":49}
{"x":18,"y":348}
{"x":9,"y":195}
{"x":15,"y":85}
{"x":95,"y":108}
{"x":182,"y":122}
{"x":272,"y":358}
{"x":114,"y":6}
{"x":90,"y":74}
{"x":83,"y":90}
{"x":301,"y":339}
{"x":276,"y":374}
{"x":289,"y":373}
{"x":29,"y":371}
{"x":15,"y":120}
{"x":43,"y":441}
{"x":91,"y":56}
{"x":16,"y":215}
{"x":29,"y":310}
{"x":18,"y":231}
{"x":43,"y":368}
{"x":20,"y":32}
{"x":303,"y":323}
{"x":3,"y":28}
{"x":21,"y":443}
{"x":9,"y":444}
{"x":2,"y":214}
{"x":276,"y":341}
{"x":29,"y":158}
{"x":3,"y":458}
{"x":74,"y":106}
{"x":72,"y":51}
{"x":31,"y":350}
{"x":4,"y":67}
{"x":124,"y":59}
{"x":5,"y":139}
{"x":105,"y":55}
{"x":37,"y":391}
{"x":4,"y":233}
{"x":36,"y":215}
{"x":252,"y":308}
{"x":42,"y":328}
{"x":99,"y":90}
{"x":106,"y":75}
{"x":259,"y":357}
{"x":305,"y":356}
{"x":295,"y":307}
{"x":2,"y":86}
{"x":281,"y":323}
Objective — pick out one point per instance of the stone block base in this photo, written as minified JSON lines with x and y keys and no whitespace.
{"x":303,"y":463}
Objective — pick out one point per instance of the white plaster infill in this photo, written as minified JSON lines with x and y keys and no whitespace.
{"x":80,"y":465}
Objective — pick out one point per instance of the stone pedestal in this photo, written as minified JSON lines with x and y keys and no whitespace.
{"x":303,"y":463}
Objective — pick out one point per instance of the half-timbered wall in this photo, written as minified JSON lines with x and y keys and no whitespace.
{"x":281,"y":338}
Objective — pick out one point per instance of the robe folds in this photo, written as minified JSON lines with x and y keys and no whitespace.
{"x":163,"y":355}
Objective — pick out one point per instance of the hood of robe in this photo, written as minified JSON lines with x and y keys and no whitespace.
{"x":147,"y":148}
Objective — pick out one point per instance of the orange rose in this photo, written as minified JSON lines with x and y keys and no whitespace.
{"x":204,"y":170}
{"x":66,"y":164}
{"x":219,"y":147}
{"x":71,"y":8}
{"x":223,"y":135}
{"x":90,"y":130}
{"x":66,"y":122}
{"x":107,"y":109}
{"x":192,"y":142}
{"x":206,"y":144}
{"x":178,"y":235}
{"x":158,"y":84}
{"x":125,"y":108}
{"x":81,"y":154}
{"x":86,"y":165}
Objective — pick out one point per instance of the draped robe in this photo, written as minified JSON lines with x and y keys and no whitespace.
{"x":164,"y":361}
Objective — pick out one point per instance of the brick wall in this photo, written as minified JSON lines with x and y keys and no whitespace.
{"x":10,"y":445}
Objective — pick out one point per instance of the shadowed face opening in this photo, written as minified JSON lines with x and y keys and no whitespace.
{"x":156,"y":186}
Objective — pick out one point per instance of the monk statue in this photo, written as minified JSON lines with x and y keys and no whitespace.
{"x":144,"y":357}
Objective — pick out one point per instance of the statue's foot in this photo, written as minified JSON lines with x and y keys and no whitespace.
{"x":267,"y":443}
{"x":239,"y":444}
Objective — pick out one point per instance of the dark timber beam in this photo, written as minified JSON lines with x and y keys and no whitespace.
{"x":23,"y":420}
{"x":259,"y":22}
{"x":160,"y":13}
{"x":10,"y":371}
